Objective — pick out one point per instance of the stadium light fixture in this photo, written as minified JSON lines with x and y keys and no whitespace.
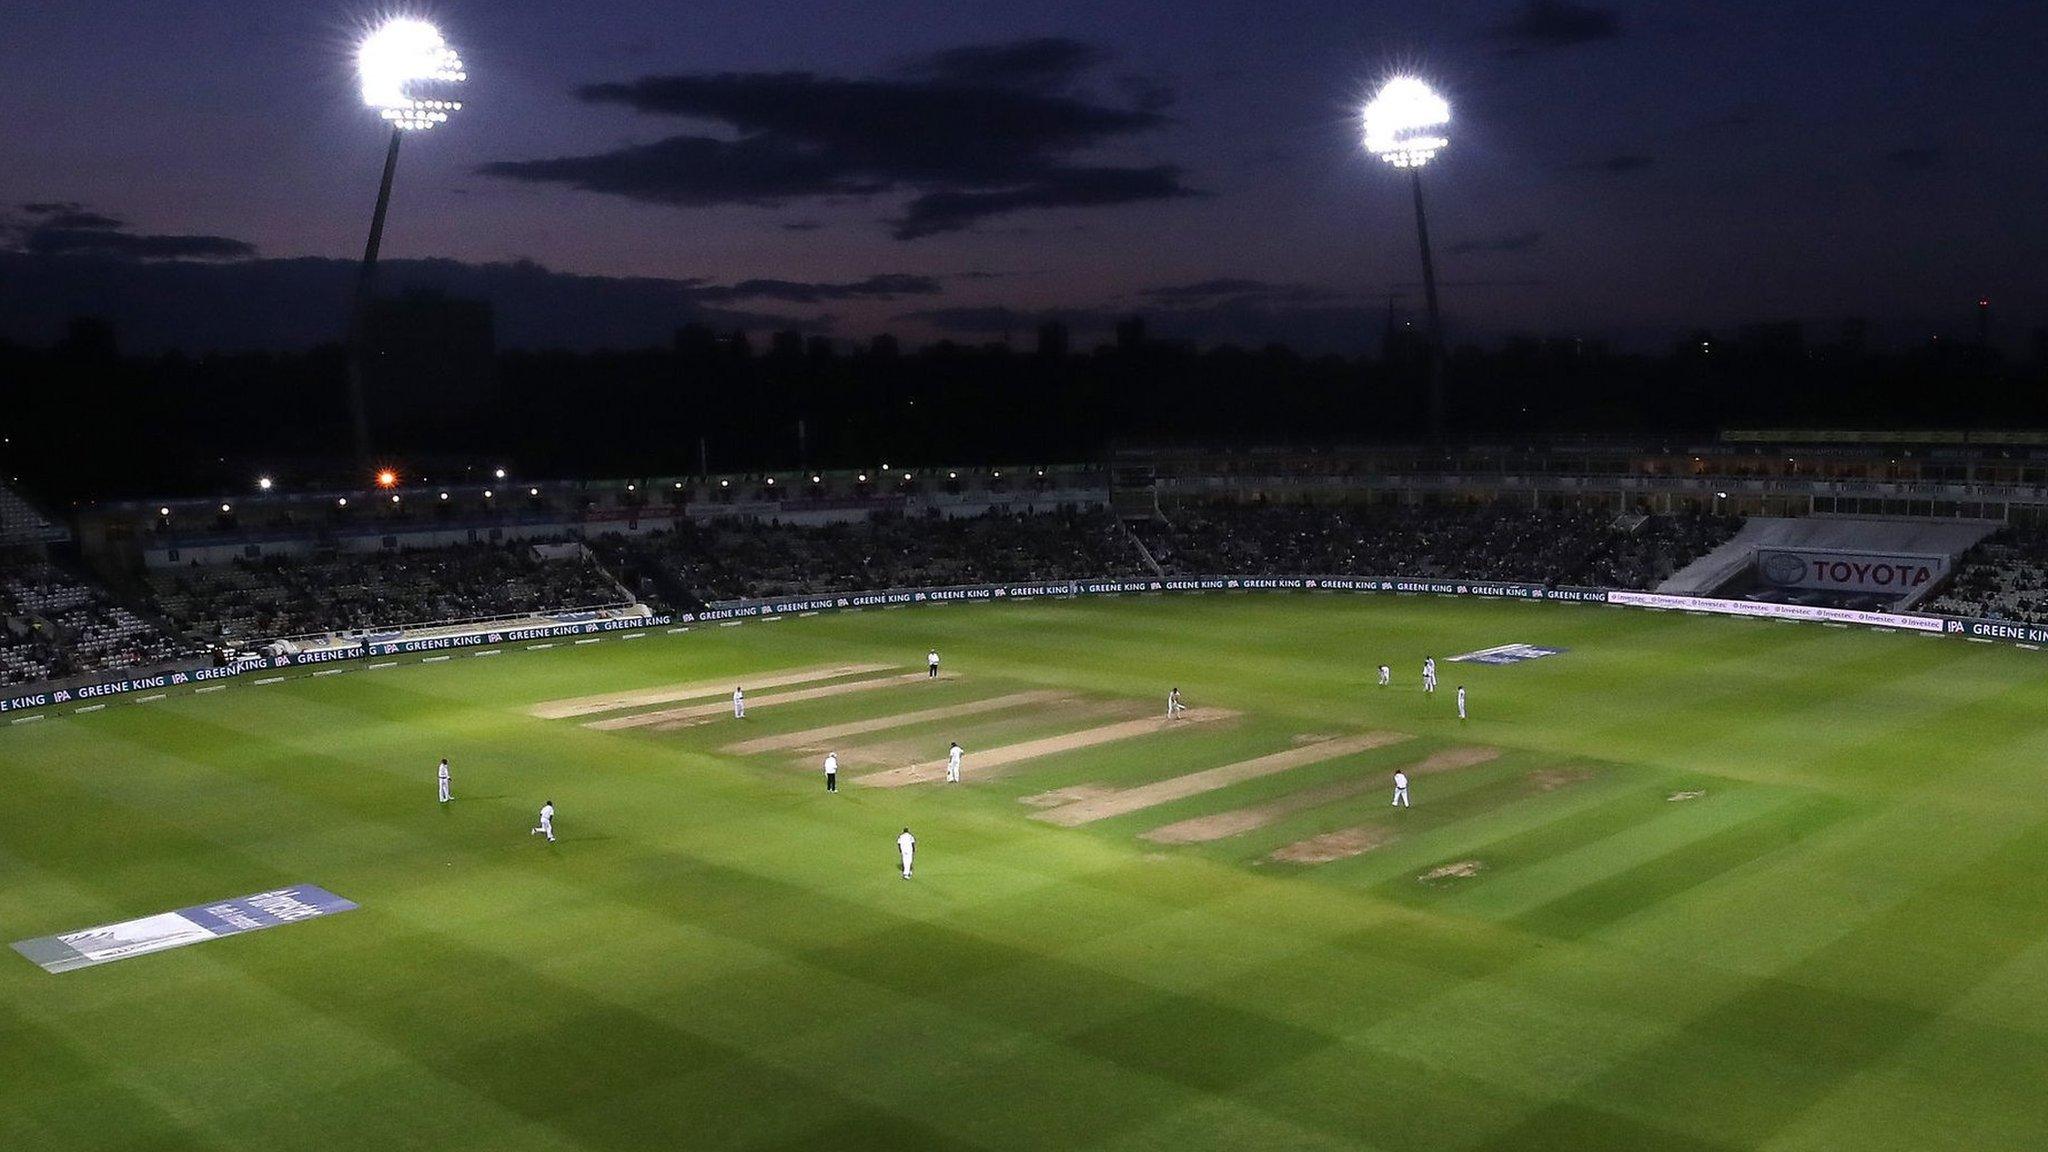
{"x":499,"y":474}
{"x":725,"y":483}
{"x":817,"y":479}
{"x":403,"y":65}
{"x":226,"y":508}
{"x":632,"y":487}
{"x":386,"y":478}
{"x":341,"y":503}
{"x":863,"y":477}
{"x":263,"y":482}
{"x":1406,"y":124}
{"x":533,"y":491}
{"x":771,"y":481}
{"x":394,"y":497}
{"x":444,"y":495}
{"x":163,"y":511}
{"x":488,"y":493}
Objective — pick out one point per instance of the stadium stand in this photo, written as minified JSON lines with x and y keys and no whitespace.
{"x":1489,"y":542}
{"x":737,"y":559}
{"x":22,"y":524}
{"x":250,"y":601}
{"x":2003,"y":578}
{"x":54,"y":624}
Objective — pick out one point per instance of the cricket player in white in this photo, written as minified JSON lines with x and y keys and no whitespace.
{"x":1173,"y":705}
{"x":953,"y":764}
{"x":931,"y":663}
{"x":831,"y":771}
{"x":1429,"y":674}
{"x":1461,"y":701}
{"x":1401,"y":790}
{"x":547,"y":822}
{"x":1386,"y":675}
{"x":739,"y":704}
{"x":444,"y":780}
{"x":906,"y":847}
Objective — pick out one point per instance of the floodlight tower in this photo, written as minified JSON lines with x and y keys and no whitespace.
{"x":1404,"y":126}
{"x":398,"y":54}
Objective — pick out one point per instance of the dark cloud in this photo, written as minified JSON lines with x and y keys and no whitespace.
{"x":79,"y":219}
{"x":1623,"y":164}
{"x":1240,"y":292}
{"x":1510,"y":242}
{"x":971,"y":133}
{"x":801,"y":226}
{"x":1049,"y":64}
{"x":68,"y":228}
{"x":936,"y":212}
{"x":888,"y":286}
{"x":698,"y":171}
{"x":1916,"y":159}
{"x":997,"y":320}
{"x":1544,"y":24}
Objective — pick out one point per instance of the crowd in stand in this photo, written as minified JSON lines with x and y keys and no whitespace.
{"x":1493,"y":542}
{"x":54,"y":624}
{"x":735,"y":560}
{"x":255,"y":600}
{"x":2003,"y":578}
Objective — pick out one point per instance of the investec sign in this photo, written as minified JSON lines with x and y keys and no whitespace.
{"x":1849,"y":571}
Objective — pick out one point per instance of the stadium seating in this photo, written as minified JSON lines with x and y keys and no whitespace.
{"x":54,"y":624}
{"x":732,"y":560}
{"x":1491,"y":542}
{"x":2003,"y":578}
{"x":258,"y":600}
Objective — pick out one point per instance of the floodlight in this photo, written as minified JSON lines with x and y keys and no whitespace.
{"x":499,"y":474}
{"x":403,"y":52}
{"x":226,"y":508}
{"x":263,"y":482}
{"x":341,"y":503}
{"x":1405,"y":123}
{"x":488,"y":494}
{"x":386,"y":478}
{"x":163,"y":511}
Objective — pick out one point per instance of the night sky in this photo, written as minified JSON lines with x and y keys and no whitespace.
{"x":964,"y":169}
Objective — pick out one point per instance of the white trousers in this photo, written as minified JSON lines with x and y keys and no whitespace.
{"x":906,"y":863}
{"x":547,"y":829}
{"x":444,"y":791}
{"x":1401,"y":798}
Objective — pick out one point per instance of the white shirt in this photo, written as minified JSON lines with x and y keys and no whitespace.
{"x":738,"y":696}
{"x":1461,"y":695}
{"x":931,"y":657}
{"x":831,"y":763}
{"x":1400,"y":780}
{"x":953,"y":760}
{"x":444,"y":769}
{"x":905,"y":843}
{"x":547,"y":813}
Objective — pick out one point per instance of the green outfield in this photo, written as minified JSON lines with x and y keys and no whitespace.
{"x":1688,"y":884}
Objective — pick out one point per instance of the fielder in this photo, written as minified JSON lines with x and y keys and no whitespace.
{"x":739,"y":704}
{"x":547,"y":822}
{"x":1429,"y":674}
{"x":1173,"y":705}
{"x":953,"y":764}
{"x":1386,"y":675}
{"x":1400,"y":789}
{"x":931,"y":664}
{"x":831,"y":771}
{"x":906,"y":847}
{"x":1461,"y":701}
{"x":444,"y":779}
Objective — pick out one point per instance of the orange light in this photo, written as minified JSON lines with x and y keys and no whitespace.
{"x":386,"y":478}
